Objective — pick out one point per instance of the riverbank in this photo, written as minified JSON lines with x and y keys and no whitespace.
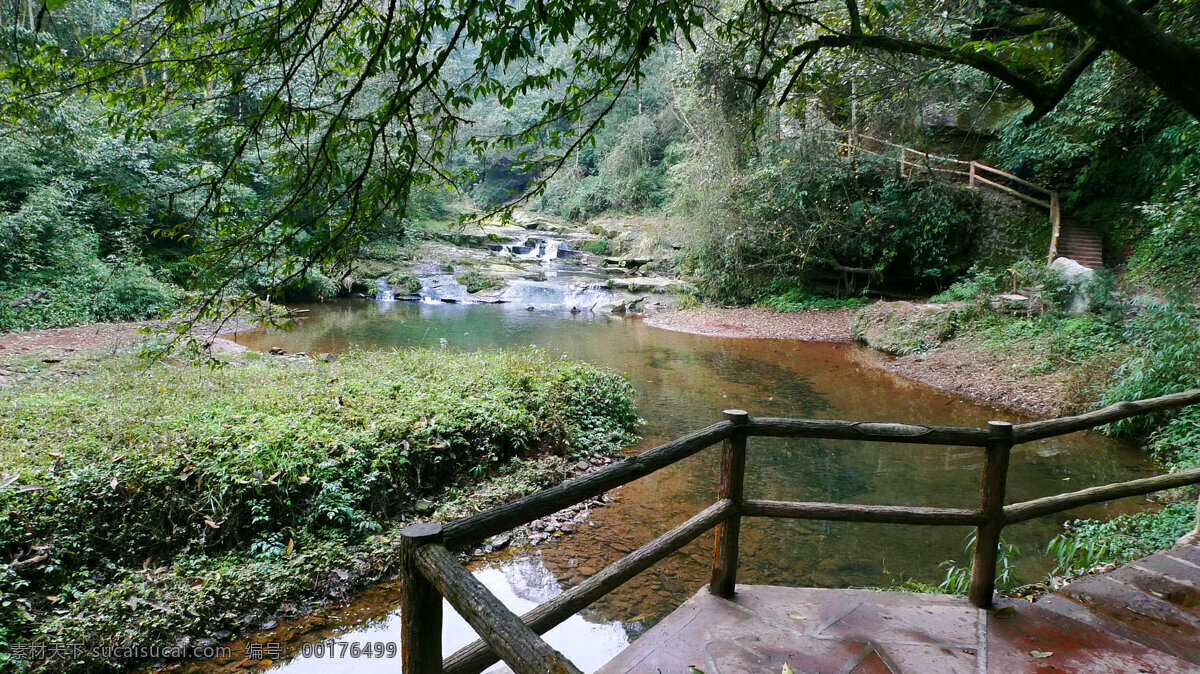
{"x":252,"y":492}
{"x":75,"y":350}
{"x":965,"y":367}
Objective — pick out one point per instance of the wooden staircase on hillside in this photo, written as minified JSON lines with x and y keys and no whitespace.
{"x":1081,"y":243}
{"x":1072,"y":240}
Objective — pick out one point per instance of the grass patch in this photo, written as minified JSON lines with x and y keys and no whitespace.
{"x":798,"y":299}
{"x":1087,"y":544}
{"x":475,"y":281}
{"x":208,"y":495}
{"x":597,"y":247}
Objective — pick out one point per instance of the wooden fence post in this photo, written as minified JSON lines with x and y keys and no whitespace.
{"x":971,"y":175}
{"x":1196,"y":531}
{"x":732,"y":487}
{"x":420,"y":605}
{"x":1055,"y":226}
{"x":992,"y":483}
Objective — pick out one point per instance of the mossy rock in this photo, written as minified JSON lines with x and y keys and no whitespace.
{"x":901,"y":328}
{"x":404,"y":282}
{"x":475,"y":281}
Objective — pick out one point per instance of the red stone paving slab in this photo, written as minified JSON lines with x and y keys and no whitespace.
{"x":909,"y":618}
{"x":1132,"y":613}
{"x":1100,"y":622}
{"x":757,"y":633}
{"x":1074,"y":647}
{"x":1178,"y":570}
{"x":1188,"y":553}
{"x":1143,"y":617}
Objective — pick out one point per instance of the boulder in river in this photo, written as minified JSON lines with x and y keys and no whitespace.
{"x":901,"y":328}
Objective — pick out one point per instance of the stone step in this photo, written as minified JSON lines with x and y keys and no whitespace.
{"x":1032,"y":638}
{"x":1154,"y":602}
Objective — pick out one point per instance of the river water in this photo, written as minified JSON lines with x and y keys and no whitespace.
{"x":683,"y":383}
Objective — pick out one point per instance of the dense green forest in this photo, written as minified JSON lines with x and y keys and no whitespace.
{"x":193,"y":159}
{"x":132,"y":177}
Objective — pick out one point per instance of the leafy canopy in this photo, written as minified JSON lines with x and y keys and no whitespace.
{"x":315,"y":122}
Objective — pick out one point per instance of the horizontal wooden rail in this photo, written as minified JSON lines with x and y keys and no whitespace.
{"x":1014,"y":192}
{"x":1040,"y":430}
{"x":429,"y":569}
{"x":476,"y":528}
{"x":866,"y":430}
{"x":933,"y":157}
{"x":1020,"y":512}
{"x":926,"y":167}
{"x":1020,"y":181}
{"x":853,"y":512}
{"x":518,"y":646}
{"x":478,"y":656}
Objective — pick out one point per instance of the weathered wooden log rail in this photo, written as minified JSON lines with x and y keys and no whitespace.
{"x":430,"y":570}
{"x":975,"y":174}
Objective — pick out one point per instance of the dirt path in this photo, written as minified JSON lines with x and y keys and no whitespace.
{"x":959,"y":367}
{"x":66,"y":351}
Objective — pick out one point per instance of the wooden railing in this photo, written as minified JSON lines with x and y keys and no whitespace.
{"x":430,"y":570}
{"x":974,"y":173}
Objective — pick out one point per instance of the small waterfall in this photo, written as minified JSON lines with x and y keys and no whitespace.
{"x":539,"y":294}
{"x":384,"y":292}
{"x":549,"y":250}
{"x":555,"y":295}
{"x":444,"y":288}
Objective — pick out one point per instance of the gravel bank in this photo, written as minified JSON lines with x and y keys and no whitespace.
{"x":959,"y":367}
{"x":806,"y":326}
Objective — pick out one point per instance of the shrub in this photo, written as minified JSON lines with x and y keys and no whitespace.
{"x":976,"y":286}
{"x":1164,"y":359}
{"x":90,"y":292}
{"x":475,"y":281}
{"x":404,"y":282}
{"x":597,"y":247}
{"x":262,"y":456}
{"x":1090,"y":543}
{"x":1177,"y":442}
{"x":798,"y":299}
{"x":802,"y":215}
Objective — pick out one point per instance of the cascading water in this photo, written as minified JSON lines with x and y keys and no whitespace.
{"x":384,"y":292}
{"x":549,"y":250}
{"x":444,"y":288}
{"x":555,"y":295}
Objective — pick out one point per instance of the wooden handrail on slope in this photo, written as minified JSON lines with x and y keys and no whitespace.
{"x":975,"y":174}
{"x":429,"y":571}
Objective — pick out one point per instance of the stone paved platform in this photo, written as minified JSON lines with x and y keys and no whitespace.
{"x":1142,"y":617}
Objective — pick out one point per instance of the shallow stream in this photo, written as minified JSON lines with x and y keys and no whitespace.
{"x":684,"y":382}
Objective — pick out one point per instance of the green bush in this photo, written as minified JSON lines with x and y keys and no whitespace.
{"x":976,"y":286}
{"x":1090,"y":543}
{"x":1164,"y":358}
{"x":798,"y":299}
{"x":475,"y":281}
{"x":265,"y":455}
{"x":803,"y":214}
{"x":597,"y":247}
{"x":91,"y":292}
{"x":1177,"y":442}
{"x":404,"y":282}
{"x":309,"y":286}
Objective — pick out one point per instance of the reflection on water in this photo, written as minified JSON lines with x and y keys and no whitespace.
{"x":683,"y":383}
{"x":521,"y":583}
